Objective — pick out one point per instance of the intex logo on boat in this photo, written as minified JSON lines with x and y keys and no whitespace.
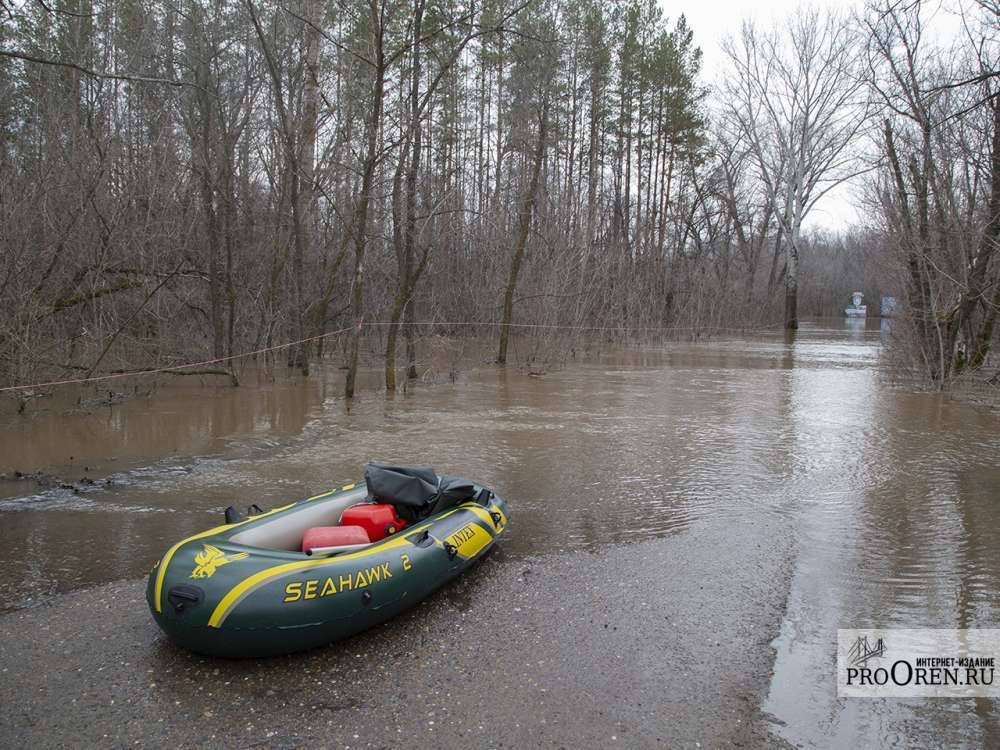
{"x":917,"y":663}
{"x":469,"y":540}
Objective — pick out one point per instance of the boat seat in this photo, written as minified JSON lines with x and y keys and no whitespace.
{"x":329,"y":537}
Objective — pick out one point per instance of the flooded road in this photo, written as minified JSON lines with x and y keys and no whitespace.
{"x":758,"y":494}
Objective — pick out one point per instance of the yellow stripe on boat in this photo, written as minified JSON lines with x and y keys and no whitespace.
{"x":245,"y":587}
{"x":481,"y":513}
{"x":334,"y":491}
{"x":161,"y":573}
{"x":320,"y":495}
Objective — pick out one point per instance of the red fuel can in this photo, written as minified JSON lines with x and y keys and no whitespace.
{"x":378,"y":519}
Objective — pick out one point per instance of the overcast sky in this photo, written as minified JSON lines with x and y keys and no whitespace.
{"x":713,"y":20}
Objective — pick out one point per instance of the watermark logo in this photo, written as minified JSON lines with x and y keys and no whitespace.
{"x":906,"y":663}
{"x":862,"y":651}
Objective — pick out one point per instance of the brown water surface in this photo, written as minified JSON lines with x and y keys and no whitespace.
{"x":891,"y":497}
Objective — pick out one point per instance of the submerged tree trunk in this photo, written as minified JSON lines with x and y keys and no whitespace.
{"x":409,"y":334}
{"x":305,"y":222}
{"x":792,"y":279}
{"x":405,"y":248}
{"x":524,"y":227}
{"x":371,"y":159}
{"x":792,"y":291}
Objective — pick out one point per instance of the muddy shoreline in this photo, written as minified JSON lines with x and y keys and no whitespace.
{"x":660,"y":643}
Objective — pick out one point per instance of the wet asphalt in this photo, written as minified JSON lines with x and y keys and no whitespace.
{"x":661,"y":643}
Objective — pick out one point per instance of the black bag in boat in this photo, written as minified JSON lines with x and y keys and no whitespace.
{"x":416,"y":491}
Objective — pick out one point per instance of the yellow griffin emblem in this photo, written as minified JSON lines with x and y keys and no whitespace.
{"x":211,"y":558}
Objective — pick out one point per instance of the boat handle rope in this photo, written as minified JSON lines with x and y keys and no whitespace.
{"x":451,"y":549}
{"x":497,"y":518}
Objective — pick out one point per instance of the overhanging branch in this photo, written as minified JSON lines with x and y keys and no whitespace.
{"x":87,"y":71}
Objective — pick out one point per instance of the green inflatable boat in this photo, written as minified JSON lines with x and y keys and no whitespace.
{"x":324,"y":568}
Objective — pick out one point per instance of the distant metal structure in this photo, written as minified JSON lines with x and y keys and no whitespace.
{"x":888,"y":306}
{"x":856,"y":309}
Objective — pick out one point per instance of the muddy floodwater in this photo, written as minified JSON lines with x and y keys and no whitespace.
{"x":883,"y":504}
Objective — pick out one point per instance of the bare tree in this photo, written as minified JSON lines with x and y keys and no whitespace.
{"x":939,"y":189}
{"x":378,"y":13}
{"x":795,"y":100}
